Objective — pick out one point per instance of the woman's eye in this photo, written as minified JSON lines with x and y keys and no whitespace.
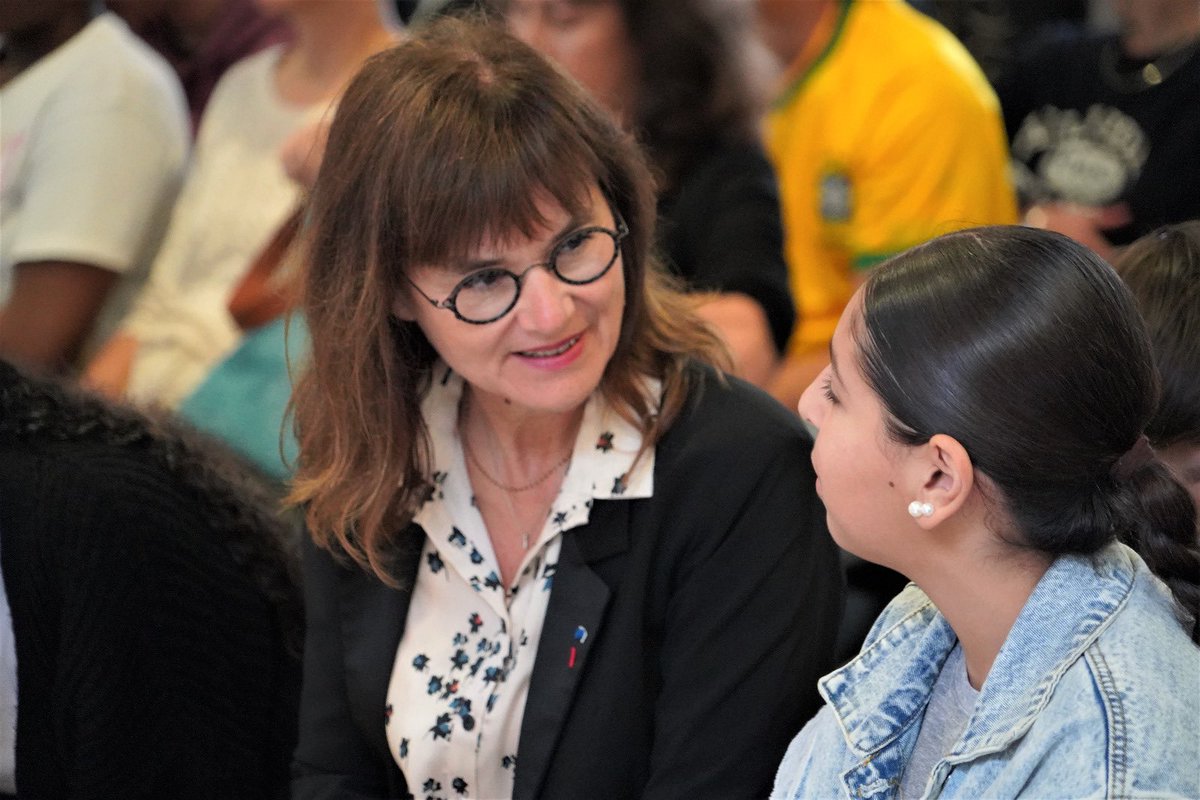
{"x":482,"y":280}
{"x":827,"y":389}
{"x":574,"y":241}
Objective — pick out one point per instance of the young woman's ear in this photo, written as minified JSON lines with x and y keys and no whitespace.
{"x":944,"y":477}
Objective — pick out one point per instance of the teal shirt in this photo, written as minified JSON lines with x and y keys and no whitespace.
{"x":244,"y":399}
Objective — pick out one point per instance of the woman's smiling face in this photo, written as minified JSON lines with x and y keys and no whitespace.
{"x":548,"y":353}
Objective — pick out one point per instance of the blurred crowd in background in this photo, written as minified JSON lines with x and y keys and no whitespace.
{"x":155,"y":157}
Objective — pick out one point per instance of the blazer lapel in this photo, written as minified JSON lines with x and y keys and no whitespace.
{"x":578,"y":601}
{"x":373,"y":616}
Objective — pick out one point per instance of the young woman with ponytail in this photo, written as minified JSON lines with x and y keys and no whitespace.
{"x":981,"y":430}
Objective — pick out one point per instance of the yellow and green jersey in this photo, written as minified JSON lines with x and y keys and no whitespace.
{"x":889,"y":137}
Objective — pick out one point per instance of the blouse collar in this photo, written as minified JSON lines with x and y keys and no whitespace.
{"x":600,"y":469}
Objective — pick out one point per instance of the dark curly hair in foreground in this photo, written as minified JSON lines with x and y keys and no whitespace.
{"x":238,"y":503}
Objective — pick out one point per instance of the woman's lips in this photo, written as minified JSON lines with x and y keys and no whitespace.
{"x":551,"y":352}
{"x":556,"y":356}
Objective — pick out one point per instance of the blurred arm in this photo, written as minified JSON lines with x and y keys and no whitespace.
{"x":51,"y":310}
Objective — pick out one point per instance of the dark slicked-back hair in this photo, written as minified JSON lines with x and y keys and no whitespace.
{"x":446,"y":140}
{"x":1028,"y":349}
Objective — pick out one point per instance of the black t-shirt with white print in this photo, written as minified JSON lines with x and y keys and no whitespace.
{"x":1087,"y":125}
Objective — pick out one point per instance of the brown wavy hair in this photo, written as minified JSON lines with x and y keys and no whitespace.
{"x":439,"y":143}
{"x":1162,"y":269}
{"x":700,"y":83}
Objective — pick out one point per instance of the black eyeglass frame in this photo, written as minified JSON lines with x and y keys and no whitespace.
{"x":550,"y":263}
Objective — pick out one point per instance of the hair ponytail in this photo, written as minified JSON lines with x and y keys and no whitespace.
{"x":1163,"y":532}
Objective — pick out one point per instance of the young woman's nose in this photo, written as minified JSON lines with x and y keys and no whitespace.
{"x":813,"y":401}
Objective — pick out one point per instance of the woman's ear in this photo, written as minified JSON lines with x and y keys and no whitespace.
{"x":402,"y":305}
{"x":945,"y":477}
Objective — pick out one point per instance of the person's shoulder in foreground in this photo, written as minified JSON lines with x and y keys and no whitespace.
{"x":729,"y":413}
{"x":154,"y":613}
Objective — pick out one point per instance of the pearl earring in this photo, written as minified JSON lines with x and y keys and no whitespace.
{"x":918,"y":509}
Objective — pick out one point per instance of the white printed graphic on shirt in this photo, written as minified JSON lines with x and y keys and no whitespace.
{"x":1089,"y":158}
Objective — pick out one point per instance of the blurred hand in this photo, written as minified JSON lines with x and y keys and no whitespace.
{"x":302,"y":152}
{"x":1084,"y":224}
{"x":108,"y":372}
{"x":742,"y":325}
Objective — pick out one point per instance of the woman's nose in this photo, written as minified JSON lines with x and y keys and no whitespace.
{"x":812,"y":403}
{"x":546,"y":302}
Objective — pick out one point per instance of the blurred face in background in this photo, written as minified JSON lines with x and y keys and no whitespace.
{"x":1150,"y":28}
{"x":785,"y":25}
{"x":587,"y":38}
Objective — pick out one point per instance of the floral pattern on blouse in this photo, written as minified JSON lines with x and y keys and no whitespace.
{"x":461,"y":676}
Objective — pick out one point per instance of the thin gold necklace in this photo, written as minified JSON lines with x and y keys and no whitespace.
{"x":527,"y":532}
{"x":492,"y":480}
{"x":507,"y":487}
{"x":508,"y":493}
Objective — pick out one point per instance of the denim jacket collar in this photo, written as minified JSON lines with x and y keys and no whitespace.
{"x":879,"y":695}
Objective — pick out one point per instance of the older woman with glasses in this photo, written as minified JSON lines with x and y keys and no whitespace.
{"x":556,"y":553}
{"x":687,"y":77}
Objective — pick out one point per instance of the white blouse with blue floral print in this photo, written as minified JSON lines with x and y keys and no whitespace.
{"x":461,"y":676}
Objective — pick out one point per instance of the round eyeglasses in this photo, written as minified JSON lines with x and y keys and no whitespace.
{"x":579,"y":258}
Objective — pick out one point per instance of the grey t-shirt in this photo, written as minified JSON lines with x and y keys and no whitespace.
{"x":946,"y":717}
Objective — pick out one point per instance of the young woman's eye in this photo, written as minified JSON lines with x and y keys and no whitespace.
{"x":827,"y":390}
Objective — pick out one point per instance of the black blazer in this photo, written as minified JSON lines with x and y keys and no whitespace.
{"x":711,"y":608}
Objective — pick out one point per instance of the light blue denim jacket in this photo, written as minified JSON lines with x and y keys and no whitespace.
{"x":1095,"y":693}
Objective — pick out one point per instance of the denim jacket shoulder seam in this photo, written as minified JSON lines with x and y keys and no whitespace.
{"x":1114,"y":718}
